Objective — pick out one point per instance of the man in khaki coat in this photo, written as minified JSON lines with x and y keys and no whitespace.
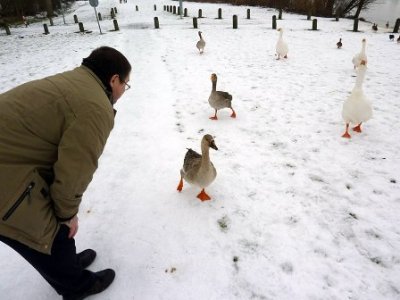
{"x":52,"y":133}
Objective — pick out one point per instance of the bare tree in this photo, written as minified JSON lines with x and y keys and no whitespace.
{"x":345,"y":7}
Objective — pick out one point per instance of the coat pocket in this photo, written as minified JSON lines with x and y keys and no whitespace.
{"x":31,"y":212}
{"x":26,"y":193}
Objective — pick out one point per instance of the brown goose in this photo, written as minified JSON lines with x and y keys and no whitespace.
{"x":218,"y":99}
{"x":339,"y":44}
{"x":201,"y":43}
{"x":198,"y":169}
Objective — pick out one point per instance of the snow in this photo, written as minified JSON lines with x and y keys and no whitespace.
{"x":297,"y":212}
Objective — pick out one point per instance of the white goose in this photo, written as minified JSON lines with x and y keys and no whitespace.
{"x":360,"y":56}
{"x":282,"y":48}
{"x":201,"y":43}
{"x":357,"y":109}
{"x":198,"y":169}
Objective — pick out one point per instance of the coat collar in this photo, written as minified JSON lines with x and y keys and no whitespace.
{"x":108,"y":94}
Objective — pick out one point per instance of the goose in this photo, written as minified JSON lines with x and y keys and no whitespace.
{"x":218,"y":99}
{"x":357,"y":109}
{"x":375,"y":27}
{"x":201,"y":43}
{"x":391,"y":37}
{"x":360,"y":56}
{"x":198,"y":169}
{"x":339,"y":44}
{"x":281,"y":47}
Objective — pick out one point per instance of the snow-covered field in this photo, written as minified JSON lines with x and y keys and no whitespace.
{"x":297,"y":212}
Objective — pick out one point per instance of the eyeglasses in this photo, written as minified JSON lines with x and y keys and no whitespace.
{"x":127,"y":86}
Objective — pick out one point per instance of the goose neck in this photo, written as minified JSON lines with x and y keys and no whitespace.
{"x":205,"y":152}
{"x":360,"y":77}
{"x":214,"y":86}
{"x":363,"y":48}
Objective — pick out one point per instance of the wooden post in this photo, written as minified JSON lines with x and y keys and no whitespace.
{"x":165,"y":7}
{"x":355,"y":25}
{"x":194,"y":22}
{"x":116,"y":27}
{"x":174,"y":10}
{"x":185,"y":12}
{"x":112,"y":13}
{"x":309,"y":16}
{"x":75,"y":19}
{"x":235,"y":22}
{"x":314,"y":24}
{"x":200,"y":13}
{"x":155,"y":7}
{"x":137,"y":8}
{"x":46,"y":29}
{"x":156,"y":23}
{"x":115,"y":10}
{"x":8,"y":32}
{"x":179,"y":11}
{"x":248,"y":13}
{"x":99,"y":15}
{"x":51,"y":22}
{"x":396,"y":26}
{"x":280,"y":14}
{"x":219,"y":13}
{"x":81,"y":29}
{"x":273,"y":22}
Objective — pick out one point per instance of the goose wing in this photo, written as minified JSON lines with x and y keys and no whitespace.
{"x":224,"y":95}
{"x":200,"y":44}
{"x":219,"y":100}
{"x":192,"y":160}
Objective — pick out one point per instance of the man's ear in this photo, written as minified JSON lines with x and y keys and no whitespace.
{"x":114,"y":79}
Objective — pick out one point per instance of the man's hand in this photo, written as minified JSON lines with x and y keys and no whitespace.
{"x":73,"y":226}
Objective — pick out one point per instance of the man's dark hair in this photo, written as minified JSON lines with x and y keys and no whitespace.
{"x":106,"y":62}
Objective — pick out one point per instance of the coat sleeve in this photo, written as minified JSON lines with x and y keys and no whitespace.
{"x":78,"y":152}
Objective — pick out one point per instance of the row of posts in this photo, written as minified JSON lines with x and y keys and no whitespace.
{"x":173,"y":9}
{"x":176,"y":11}
{"x":195,"y":24}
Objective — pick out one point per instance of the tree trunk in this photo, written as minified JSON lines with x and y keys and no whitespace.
{"x":359,"y":8}
{"x":49,"y":8}
{"x":329,"y":8}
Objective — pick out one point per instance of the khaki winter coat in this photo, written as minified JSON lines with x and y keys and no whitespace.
{"x":52,"y":132}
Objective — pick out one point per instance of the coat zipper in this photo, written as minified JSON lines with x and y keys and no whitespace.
{"x":19,"y":201}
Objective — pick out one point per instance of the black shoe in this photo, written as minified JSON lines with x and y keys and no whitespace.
{"x":103,"y":280}
{"x":86,"y":257}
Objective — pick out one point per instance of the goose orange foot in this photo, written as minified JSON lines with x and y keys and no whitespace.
{"x":214,"y":118}
{"x":180,"y":185}
{"x":357,"y":128}
{"x":233,"y":115}
{"x":203,"y":196}
{"x":346,"y":135}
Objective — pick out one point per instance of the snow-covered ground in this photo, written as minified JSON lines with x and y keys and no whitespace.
{"x":297,"y":212}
